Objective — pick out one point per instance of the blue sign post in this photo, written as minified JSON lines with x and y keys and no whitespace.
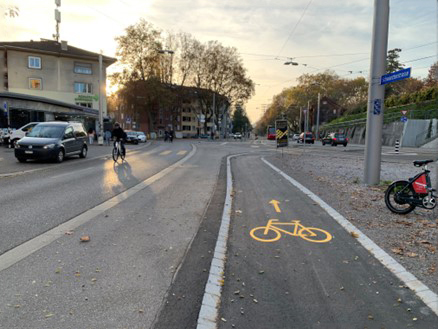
{"x":395,"y":76}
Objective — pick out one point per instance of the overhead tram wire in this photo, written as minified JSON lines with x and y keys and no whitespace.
{"x":295,"y":27}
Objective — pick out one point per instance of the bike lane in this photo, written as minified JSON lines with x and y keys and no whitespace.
{"x":294,"y":282}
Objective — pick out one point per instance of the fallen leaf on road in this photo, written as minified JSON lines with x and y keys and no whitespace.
{"x":370,"y":317}
{"x":398,"y":251}
{"x":238,"y":211}
{"x":69,"y":233}
{"x":261,"y":272}
{"x":223,"y":319}
{"x":85,"y":238}
{"x":354,"y":234}
{"x":412,"y":254}
{"x":49,"y":315}
{"x":425,"y":242}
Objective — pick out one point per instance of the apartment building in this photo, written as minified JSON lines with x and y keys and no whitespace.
{"x":47,"y":80}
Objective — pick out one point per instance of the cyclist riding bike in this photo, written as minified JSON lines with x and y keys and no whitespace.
{"x":119,"y":136}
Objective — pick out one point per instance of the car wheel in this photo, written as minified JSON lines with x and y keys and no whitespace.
{"x":60,"y":156}
{"x":83,"y":153}
{"x":333,"y":144}
{"x":323,"y":143}
{"x":345,"y":145}
{"x":22,"y":160}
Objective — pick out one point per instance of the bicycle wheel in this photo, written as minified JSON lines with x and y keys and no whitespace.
{"x":314,"y":234}
{"x":393,"y":194}
{"x":115,"y":154}
{"x":265,"y":237}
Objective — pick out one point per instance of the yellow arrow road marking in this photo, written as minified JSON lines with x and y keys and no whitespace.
{"x":275,"y":204}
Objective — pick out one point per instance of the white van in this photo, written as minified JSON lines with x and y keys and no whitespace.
{"x":21,"y":132}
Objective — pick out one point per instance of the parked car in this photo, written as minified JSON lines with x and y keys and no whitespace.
{"x":131,"y":137}
{"x":295,"y":137}
{"x":5,"y":134}
{"x":21,"y":132}
{"x":141,"y":137}
{"x":334,"y":139}
{"x":237,"y":136}
{"x":307,"y":138}
{"x":53,"y":141}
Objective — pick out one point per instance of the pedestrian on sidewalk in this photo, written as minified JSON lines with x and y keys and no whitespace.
{"x":107,"y":137}
{"x":171,"y":135}
{"x":90,"y":136}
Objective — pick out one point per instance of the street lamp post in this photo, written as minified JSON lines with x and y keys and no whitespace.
{"x":317,"y":116}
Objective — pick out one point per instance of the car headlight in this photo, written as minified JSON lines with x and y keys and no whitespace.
{"x":17,"y":145}
{"x":49,"y":146}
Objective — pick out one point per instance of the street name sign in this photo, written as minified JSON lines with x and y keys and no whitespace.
{"x":395,"y":76}
{"x":281,"y":133}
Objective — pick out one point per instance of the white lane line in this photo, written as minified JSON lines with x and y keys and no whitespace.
{"x":420,"y":289}
{"x":17,"y":173}
{"x":181,"y":152}
{"x":1,"y":159}
{"x":166,"y":152}
{"x":15,"y":255}
{"x":209,"y":312}
{"x":224,"y":143}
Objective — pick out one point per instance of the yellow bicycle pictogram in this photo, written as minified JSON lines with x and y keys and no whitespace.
{"x":272,"y":232}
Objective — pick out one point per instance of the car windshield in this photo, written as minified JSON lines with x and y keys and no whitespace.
{"x":309,"y":135}
{"x":340,"y":135}
{"x":43,"y":131}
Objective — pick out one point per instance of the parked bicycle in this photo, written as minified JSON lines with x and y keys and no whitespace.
{"x":403,"y":196}
{"x":117,"y":151}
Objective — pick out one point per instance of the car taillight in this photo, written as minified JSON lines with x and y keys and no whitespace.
{"x":334,"y":138}
{"x":346,"y":139}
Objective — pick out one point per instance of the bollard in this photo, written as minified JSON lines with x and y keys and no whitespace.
{"x":397,"y":146}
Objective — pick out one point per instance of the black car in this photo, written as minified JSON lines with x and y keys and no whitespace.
{"x":53,"y":141}
{"x":334,"y":139}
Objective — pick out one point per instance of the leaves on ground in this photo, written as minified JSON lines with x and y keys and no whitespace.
{"x":85,"y":238}
{"x":354,"y":234}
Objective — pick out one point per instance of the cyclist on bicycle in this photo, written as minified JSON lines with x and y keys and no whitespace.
{"x":120,"y":136}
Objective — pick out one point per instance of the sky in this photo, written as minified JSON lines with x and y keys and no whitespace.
{"x":317,"y":34}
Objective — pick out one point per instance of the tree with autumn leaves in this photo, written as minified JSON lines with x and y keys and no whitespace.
{"x":154,"y":71}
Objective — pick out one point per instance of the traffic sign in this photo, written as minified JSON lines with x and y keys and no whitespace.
{"x":377,"y":108}
{"x":404,"y":112}
{"x":395,"y":76}
{"x":403,"y":119}
{"x":281,"y":133}
{"x":5,"y":106}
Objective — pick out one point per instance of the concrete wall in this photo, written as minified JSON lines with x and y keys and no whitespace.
{"x":57,"y":74}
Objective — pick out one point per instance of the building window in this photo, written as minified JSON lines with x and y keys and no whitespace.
{"x":35,"y":83}
{"x":89,"y":105}
{"x":187,"y":128}
{"x":187,"y":119}
{"x":34,"y":62}
{"x":83,"y":88}
{"x":83,"y":68}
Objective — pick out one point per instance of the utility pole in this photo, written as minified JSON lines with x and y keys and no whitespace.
{"x":317,"y":116}
{"x":100,"y":138}
{"x":301,"y":119}
{"x":307,"y":116}
{"x":376,"y":93}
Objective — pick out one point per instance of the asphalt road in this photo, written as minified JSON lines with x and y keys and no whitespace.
{"x":153,"y":224}
{"x":295,"y":283}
